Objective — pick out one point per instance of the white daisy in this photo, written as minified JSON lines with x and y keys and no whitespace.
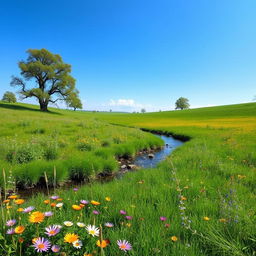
{"x":68,"y":223}
{"x":77,"y":244}
{"x":80,"y":224}
{"x":92,"y":230}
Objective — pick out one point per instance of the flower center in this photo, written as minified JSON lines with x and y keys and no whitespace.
{"x":41,"y":246}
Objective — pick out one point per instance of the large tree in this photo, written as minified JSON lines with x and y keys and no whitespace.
{"x":182,"y":103}
{"x":51,"y":77}
{"x":9,"y":97}
{"x":73,"y":101}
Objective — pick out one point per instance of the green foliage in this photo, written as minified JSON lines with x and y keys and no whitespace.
{"x":73,"y":101}
{"x":51,"y":75}
{"x":182,"y":103}
{"x":9,"y":97}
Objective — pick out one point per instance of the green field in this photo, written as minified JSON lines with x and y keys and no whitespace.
{"x":205,"y":189}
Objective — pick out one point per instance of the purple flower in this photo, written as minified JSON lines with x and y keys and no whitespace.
{"x":41,"y":244}
{"x":124,"y":245}
{"x":48,"y":214}
{"x":84,"y":202}
{"x":96,"y":212}
{"x":128,"y":217}
{"x":75,"y":189}
{"x":10,"y":223}
{"x":162,"y":218}
{"x":52,"y":230}
{"x":109,"y":225}
{"x":28,"y":209}
{"x":122,"y":212}
{"x":10,"y":231}
{"x":54,"y":197}
{"x":55,"y":248}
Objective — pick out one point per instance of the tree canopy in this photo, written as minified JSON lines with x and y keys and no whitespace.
{"x":51,"y":75}
{"x":9,"y":97}
{"x":182,"y":103}
{"x":73,"y":101}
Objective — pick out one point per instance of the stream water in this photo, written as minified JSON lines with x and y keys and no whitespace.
{"x":170,"y":144}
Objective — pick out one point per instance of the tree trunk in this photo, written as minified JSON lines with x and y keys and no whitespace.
{"x":43,"y":105}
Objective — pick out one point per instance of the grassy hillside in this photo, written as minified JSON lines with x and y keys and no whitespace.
{"x":205,"y":190}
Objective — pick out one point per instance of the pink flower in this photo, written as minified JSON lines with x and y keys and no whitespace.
{"x":163,"y":218}
{"x":124,"y":245}
{"x":122,"y":212}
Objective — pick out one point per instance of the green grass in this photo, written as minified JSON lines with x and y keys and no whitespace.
{"x":212,"y":175}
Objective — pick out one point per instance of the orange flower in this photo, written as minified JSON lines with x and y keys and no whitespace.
{"x":19,"y":201}
{"x":46,"y":201}
{"x":19,"y":229}
{"x":183,"y":198}
{"x":76,"y":207}
{"x":95,"y":202}
{"x":36,"y":217}
{"x":82,"y":205}
{"x":21,"y":240}
{"x":6,"y":201}
{"x":53,"y":204}
{"x":13,"y":197}
{"x":174,"y":238}
{"x":8,"y":207}
{"x":70,"y":238}
{"x":103,"y":243}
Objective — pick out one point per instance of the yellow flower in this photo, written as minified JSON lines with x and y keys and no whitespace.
{"x":36,"y":217}
{"x":20,"y":210}
{"x":6,"y":201}
{"x":8,"y":207}
{"x":70,"y":238}
{"x":223,"y":220}
{"x":128,"y":225}
{"x":174,"y":238}
{"x":108,"y":199}
{"x":13,"y":197}
{"x":76,"y":207}
{"x":95,"y":202}
{"x":206,"y":218}
{"x":183,"y":198}
{"x":19,"y":201}
{"x":19,"y":229}
{"x":103,"y":243}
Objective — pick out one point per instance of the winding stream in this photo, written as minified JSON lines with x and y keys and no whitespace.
{"x":144,"y":161}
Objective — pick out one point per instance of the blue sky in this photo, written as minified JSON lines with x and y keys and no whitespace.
{"x":129,"y":54}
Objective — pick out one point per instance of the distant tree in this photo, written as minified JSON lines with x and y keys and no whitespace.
{"x":52,"y":78}
{"x":73,"y":101}
{"x":110,"y":110}
{"x":143,"y":110}
{"x":9,"y":97}
{"x":182,"y":103}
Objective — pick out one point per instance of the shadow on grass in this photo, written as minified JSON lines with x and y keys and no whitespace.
{"x":18,"y":107}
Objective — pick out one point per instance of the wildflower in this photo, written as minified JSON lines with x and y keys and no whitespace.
{"x":122,"y":212}
{"x":108,"y":199}
{"x":19,"y":201}
{"x":55,"y":248}
{"x":183,"y":198}
{"x":124,"y":245}
{"x":174,"y":238}
{"x":92,"y":230}
{"x":68,"y":223}
{"x":76,"y":207}
{"x":59,"y":205}
{"x":53,"y":205}
{"x":96,"y":212}
{"x":77,"y":244}
{"x":21,"y":240}
{"x":59,"y":199}
{"x":6,"y":201}
{"x":41,"y":244}
{"x":223,"y":220}
{"x":82,"y":205}
{"x":36,"y":217}
{"x":141,"y":182}
{"x":52,"y":230}
{"x":95,"y":202}
{"x":84,"y":202}
{"x":13,"y":197}
{"x":8,"y":207}
{"x":80,"y":224}
{"x":128,"y":225}
{"x":28,"y":209}
{"x":46,"y":201}
{"x":162,"y":218}
{"x":48,"y":214}
{"x":109,"y":225}
{"x":70,"y":238}
{"x":19,"y":229}
{"x":167,"y":225}
{"x":10,"y":231}
{"x":128,"y":217}
{"x":75,"y":189}
{"x":20,"y":210}
{"x":103,"y":243}
{"x":54,"y":197}
{"x":206,"y":218}
{"x":11,"y":223}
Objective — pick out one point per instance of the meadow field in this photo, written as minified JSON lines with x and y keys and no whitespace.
{"x":199,"y":201}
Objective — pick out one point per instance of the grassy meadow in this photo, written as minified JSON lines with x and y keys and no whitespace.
{"x":199,"y":201}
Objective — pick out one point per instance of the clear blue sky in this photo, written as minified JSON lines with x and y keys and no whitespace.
{"x":129,"y":54}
